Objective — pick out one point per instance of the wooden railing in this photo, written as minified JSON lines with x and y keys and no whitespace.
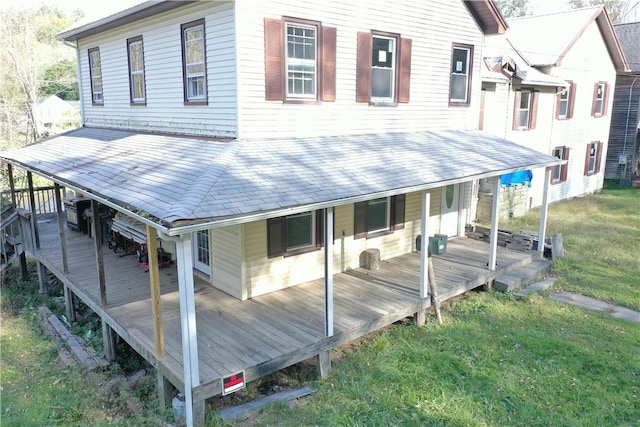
{"x":45,"y":199}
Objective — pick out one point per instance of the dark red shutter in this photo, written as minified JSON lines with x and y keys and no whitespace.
{"x":360,"y":220}
{"x":397,"y":210}
{"x":329,"y":63}
{"x":595,"y":98}
{"x":572,"y":100}
{"x":276,"y":239}
{"x":404,"y":81}
{"x":274,"y":59}
{"x":363,"y":68}
{"x":559,"y":102}
{"x":516,"y":109}
{"x":533,"y":112}
{"x":565,"y":167}
{"x":319,"y":228}
{"x":598,"y":156}
{"x":586,"y":160}
{"x":605,"y":99}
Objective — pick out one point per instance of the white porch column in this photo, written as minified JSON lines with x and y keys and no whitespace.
{"x":544,"y":210}
{"x":424,"y":244}
{"x":495,"y":214}
{"x":328,"y":271}
{"x":188,"y":323}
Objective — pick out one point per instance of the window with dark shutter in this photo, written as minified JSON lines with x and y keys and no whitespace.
{"x":593,"y":158}
{"x":379,"y":216}
{"x":274,"y":58}
{"x":295,"y":234}
{"x":565,"y":101}
{"x":363,"y":68}
{"x":599,"y":104}
{"x":329,"y":40}
{"x":460,"y":77}
{"x":525,"y":109}
{"x":559,"y":173}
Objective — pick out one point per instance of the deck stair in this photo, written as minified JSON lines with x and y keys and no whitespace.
{"x":523,"y":276}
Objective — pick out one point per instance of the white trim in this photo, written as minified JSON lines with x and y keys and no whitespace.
{"x":424,"y":244}
{"x":328,"y":270}
{"x":545,"y":209}
{"x":495,"y":213}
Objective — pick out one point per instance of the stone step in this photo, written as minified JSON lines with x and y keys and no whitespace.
{"x":523,"y":276}
{"x":535,"y":287}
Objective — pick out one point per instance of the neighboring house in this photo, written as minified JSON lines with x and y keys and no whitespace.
{"x":548,"y":85}
{"x":55,"y":115}
{"x":248,"y":135}
{"x":623,"y":155}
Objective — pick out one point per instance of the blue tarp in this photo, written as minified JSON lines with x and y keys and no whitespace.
{"x":516,"y":178}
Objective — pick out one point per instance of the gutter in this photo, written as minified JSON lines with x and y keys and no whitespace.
{"x":626,"y":127}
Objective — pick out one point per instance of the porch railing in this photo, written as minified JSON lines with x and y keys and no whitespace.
{"x":44,"y":198}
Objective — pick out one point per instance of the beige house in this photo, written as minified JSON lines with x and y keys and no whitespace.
{"x":274,"y":149}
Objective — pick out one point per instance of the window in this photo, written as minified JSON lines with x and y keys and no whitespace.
{"x":194,"y":64}
{"x":593,"y":158}
{"x":295,"y":234}
{"x":300,"y":61}
{"x":461,"y":66}
{"x":599,"y":105}
{"x":95,"y":76}
{"x":383,"y":68}
{"x":136,"y":71}
{"x":378,"y":216}
{"x":565,"y":101}
{"x":559,"y":173}
{"x":526,"y":109}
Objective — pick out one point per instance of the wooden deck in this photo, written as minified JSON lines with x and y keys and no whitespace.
{"x":269,"y":332}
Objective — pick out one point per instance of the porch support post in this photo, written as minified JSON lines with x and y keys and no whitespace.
{"x":544,"y":211}
{"x":34,"y":214}
{"x":188,"y":328}
{"x":61,"y":232}
{"x":324,"y":357}
{"x":165,"y":392}
{"x":108,"y":338}
{"x":97,"y":239}
{"x":424,"y":254}
{"x":154,"y":278}
{"x":12,"y":185}
{"x":495,"y":214}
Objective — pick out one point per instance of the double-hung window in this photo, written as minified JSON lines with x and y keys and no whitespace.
{"x":136,"y":71}
{"x":194,"y":63}
{"x":593,"y":158}
{"x":95,"y":76}
{"x":383,"y":68}
{"x":302,"y":54}
{"x":461,"y":66}
{"x":525,"y":109}
{"x":559,"y":173}
{"x":379,"y":216}
{"x":295,"y":234}
{"x":599,"y":104}
{"x":300,"y":60}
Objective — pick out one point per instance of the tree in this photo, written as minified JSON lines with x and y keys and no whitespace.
{"x":513,"y":8}
{"x":618,"y":9}
{"x":60,"y":79}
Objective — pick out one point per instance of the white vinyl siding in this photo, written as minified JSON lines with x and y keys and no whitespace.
{"x":431,"y":26}
{"x":165,"y":111}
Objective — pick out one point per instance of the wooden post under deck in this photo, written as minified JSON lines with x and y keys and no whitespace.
{"x":14,"y":201}
{"x":424,"y":253}
{"x":495,"y":213}
{"x":34,"y":214}
{"x":109,"y":342}
{"x":97,"y":238}
{"x":63,"y":240}
{"x":544,"y":211}
{"x":154,"y":278}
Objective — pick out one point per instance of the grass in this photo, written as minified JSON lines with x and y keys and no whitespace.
{"x":495,"y":361}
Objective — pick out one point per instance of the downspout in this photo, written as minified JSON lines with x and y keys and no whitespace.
{"x":79,"y":77}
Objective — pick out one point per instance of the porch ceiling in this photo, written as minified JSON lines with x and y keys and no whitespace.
{"x":184,"y":181}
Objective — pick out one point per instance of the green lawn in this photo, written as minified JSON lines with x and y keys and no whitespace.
{"x":495,"y":361}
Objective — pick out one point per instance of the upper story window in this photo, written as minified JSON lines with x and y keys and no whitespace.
{"x":600,"y":94}
{"x":379,"y":216}
{"x":300,"y":60}
{"x":559,"y":173}
{"x":95,"y":76}
{"x":565,"y":101}
{"x":136,"y":71}
{"x":525,"y":109}
{"x":194,"y":62}
{"x":461,"y":67}
{"x":383,"y":68}
{"x":295,"y":234}
{"x":593,"y":158}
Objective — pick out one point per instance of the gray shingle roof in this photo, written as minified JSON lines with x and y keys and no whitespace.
{"x":629,"y":37}
{"x":190,"y":179}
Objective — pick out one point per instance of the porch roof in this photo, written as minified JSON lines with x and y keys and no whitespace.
{"x":190,"y":183}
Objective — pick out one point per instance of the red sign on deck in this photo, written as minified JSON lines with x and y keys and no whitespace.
{"x":233,"y":383}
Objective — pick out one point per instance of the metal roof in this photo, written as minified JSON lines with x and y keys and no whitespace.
{"x":191,"y":183}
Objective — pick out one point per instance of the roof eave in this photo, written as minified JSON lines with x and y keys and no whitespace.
{"x":488,"y":16}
